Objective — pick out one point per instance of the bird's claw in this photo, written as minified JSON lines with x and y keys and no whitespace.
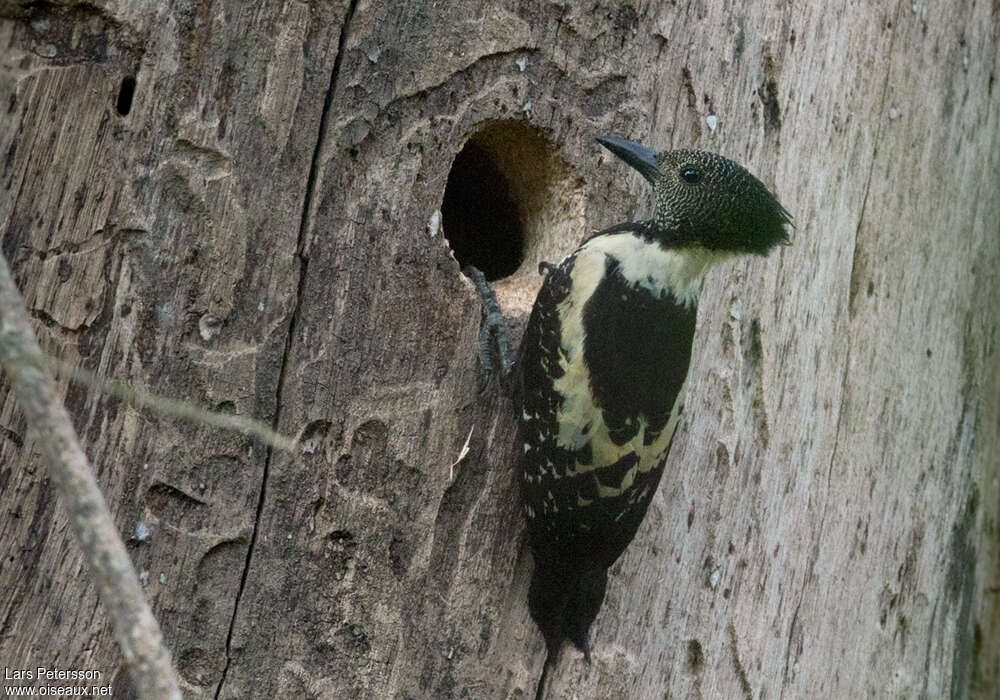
{"x":494,"y":338}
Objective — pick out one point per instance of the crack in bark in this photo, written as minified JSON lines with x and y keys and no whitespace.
{"x":852,"y":288}
{"x":788,"y":648}
{"x":741,"y":673}
{"x":930,"y":643}
{"x":304,"y":226}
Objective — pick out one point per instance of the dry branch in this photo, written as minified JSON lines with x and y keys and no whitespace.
{"x":136,"y":629}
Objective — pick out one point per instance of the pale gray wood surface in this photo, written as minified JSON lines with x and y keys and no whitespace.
{"x":254,"y":236}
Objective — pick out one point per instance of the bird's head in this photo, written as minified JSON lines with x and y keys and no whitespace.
{"x":705,"y":199}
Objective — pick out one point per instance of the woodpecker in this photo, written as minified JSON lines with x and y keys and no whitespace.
{"x":604,"y":364}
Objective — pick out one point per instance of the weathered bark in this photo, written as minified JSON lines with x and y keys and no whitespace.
{"x":136,"y":630}
{"x":258,"y":234}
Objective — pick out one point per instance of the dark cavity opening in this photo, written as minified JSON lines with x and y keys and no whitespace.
{"x":511,"y":202}
{"x":125,"y":94}
{"x":480,"y":216}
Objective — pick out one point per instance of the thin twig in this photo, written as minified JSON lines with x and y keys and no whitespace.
{"x":140,"y":398}
{"x":136,"y":630}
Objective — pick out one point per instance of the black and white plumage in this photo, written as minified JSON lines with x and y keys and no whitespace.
{"x":604,"y":364}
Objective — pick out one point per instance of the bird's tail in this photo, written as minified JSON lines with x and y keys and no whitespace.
{"x":564,"y":601}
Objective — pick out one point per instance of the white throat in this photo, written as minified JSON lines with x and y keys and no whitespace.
{"x":678,"y":271}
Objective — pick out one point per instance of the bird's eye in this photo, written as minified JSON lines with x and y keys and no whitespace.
{"x":690,"y":174}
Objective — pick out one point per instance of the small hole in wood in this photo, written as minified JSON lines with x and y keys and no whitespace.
{"x":482,"y":221}
{"x":511,"y":201}
{"x":126,"y":92}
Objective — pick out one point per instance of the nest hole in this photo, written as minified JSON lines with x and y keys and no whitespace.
{"x":511,"y":201}
{"x":481,"y":219}
{"x":126,"y":91}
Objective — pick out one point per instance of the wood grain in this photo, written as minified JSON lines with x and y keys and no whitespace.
{"x":254,"y":236}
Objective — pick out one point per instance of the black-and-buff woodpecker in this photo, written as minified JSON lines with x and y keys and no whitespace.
{"x":604,"y":363}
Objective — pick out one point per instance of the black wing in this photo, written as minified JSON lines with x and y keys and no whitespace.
{"x":581,"y":504}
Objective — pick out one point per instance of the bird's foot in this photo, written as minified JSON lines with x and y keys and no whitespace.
{"x":494,"y":338}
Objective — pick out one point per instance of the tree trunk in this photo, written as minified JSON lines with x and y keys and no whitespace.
{"x":245,"y":207}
